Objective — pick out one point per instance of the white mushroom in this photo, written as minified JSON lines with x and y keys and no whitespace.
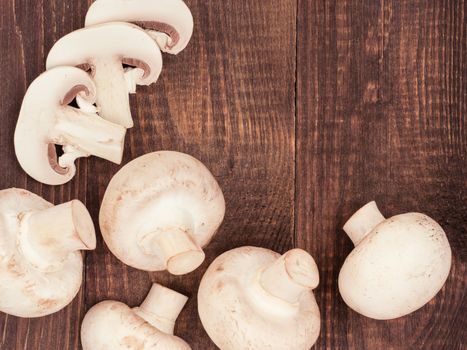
{"x":397,"y":266}
{"x":47,"y":120}
{"x":102,"y":50}
{"x":113,"y":325}
{"x":41,"y":265}
{"x":168,"y":22}
{"x":159,"y":210}
{"x":253,"y":298}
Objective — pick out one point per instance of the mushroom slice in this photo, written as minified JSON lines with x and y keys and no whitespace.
{"x":253,"y":298}
{"x":103,"y":50}
{"x":398,"y":264}
{"x":41,"y":266}
{"x":168,"y":22}
{"x":113,"y":325}
{"x":46,"y":120}
{"x":159,"y":210}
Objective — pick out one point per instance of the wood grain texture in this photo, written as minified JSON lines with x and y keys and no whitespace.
{"x":228,"y":100}
{"x":381,"y":115}
{"x":372,"y":107}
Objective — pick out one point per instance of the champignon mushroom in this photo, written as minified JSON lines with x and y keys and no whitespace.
{"x":113,"y":325}
{"x":102,"y":50}
{"x":41,"y":265}
{"x":168,"y":22}
{"x":397,"y":266}
{"x":46,"y":120}
{"x":253,"y":298}
{"x":159,"y":210}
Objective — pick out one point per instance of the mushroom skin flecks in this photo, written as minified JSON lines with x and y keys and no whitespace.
{"x":253,"y":298}
{"x":41,"y":265}
{"x":113,"y":325}
{"x":159,"y":211}
{"x":398,"y":264}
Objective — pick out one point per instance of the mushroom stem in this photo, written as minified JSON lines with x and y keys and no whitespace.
{"x":113,"y":98}
{"x":162,"y":39}
{"x":161,"y":308}
{"x":363,"y":222}
{"x":89,"y":134}
{"x":48,"y":236}
{"x":293,"y":274}
{"x":176,"y":247}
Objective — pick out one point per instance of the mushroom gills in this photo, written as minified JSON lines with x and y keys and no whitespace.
{"x":168,"y":22}
{"x":102,"y":50}
{"x":51,"y":133}
{"x":166,"y":36}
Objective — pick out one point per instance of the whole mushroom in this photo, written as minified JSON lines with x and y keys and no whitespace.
{"x":47,"y":120}
{"x":102,"y":50}
{"x":113,"y":325}
{"x":397,"y":266}
{"x":159,"y":210}
{"x":41,"y":265}
{"x":253,"y":298}
{"x":168,"y":22}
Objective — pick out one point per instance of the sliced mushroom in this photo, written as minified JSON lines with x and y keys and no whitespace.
{"x":113,"y":325}
{"x":102,"y":50}
{"x":253,"y":298}
{"x":398,"y":264}
{"x":159,"y":210}
{"x":168,"y":22}
{"x":47,"y":120}
{"x":41,"y":265}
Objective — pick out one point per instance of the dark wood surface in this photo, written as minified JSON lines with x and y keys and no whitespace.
{"x":304,"y":111}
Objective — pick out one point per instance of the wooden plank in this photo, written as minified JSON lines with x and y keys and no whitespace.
{"x":228,"y":100}
{"x":381,"y":115}
{"x":27,"y":31}
{"x":202,"y":106}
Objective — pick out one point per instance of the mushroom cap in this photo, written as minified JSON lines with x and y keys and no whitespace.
{"x":238,"y":314}
{"x":152,"y":189}
{"x":113,"y":325}
{"x":397,"y":268}
{"x":172,"y":17}
{"x":52,"y":91}
{"x":121,"y":42}
{"x":24,"y":290}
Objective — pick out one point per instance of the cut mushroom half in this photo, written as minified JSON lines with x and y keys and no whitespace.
{"x":159,"y":211}
{"x":41,"y":266}
{"x":47,"y":120}
{"x":113,"y":325}
{"x":168,"y":22}
{"x":102,"y":50}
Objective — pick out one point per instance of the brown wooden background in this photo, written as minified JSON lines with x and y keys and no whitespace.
{"x":304,"y":110}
